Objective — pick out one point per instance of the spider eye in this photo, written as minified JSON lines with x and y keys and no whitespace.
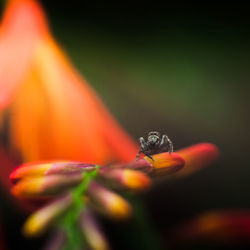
{"x":155,"y":133}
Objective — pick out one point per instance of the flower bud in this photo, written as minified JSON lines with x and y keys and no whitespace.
{"x":29,"y":170}
{"x":39,"y":169}
{"x":165,"y":163}
{"x":124,"y":178}
{"x":108,"y":202}
{"x":92,"y":232}
{"x":38,"y":187}
{"x":39,"y":221}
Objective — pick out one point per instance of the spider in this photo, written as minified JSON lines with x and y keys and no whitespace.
{"x":155,"y":144}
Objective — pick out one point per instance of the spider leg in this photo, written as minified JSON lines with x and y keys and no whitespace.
{"x":141,"y":151}
{"x":166,"y":141}
{"x":143,"y":145}
{"x":149,"y":156}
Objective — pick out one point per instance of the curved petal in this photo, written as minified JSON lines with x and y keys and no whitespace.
{"x":196,"y":157}
{"x":22,"y":26}
{"x":215,"y":226}
{"x":54,"y":113}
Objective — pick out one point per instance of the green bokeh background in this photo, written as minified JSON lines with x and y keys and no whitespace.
{"x":181,"y":70}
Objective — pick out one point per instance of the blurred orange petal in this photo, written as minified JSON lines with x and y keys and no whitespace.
{"x":54,"y":113}
{"x":215,"y":226}
{"x":22,"y":25}
{"x":197,"y":157}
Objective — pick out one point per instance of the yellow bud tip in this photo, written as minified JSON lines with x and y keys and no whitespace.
{"x":135,"y":180}
{"x":32,"y":226}
{"x":38,"y":222}
{"x":118,"y":207}
{"x":28,"y":187}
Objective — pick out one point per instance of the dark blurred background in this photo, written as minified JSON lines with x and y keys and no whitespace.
{"x":180,"y":69}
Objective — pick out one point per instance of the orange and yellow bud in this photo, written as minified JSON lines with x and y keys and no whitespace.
{"x":108,"y":202}
{"x":38,"y":187}
{"x":38,"y":222}
{"x":29,"y":170}
{"x":124,"y":178}
{"x":165,"y":163}
{"x":135,"y":180}
{"x":40,"y":169}
{"x":196,"y":157}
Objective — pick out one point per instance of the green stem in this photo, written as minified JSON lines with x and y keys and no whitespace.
{"x":69,"y":221}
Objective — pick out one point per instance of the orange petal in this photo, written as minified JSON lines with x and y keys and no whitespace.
{"x":165,"y":163}
{"x":55,"y":113}
{"x":22,"y":25}
{"x":215,"y":226}
{"x":196,"y":157}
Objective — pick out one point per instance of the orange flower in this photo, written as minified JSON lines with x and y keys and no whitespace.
{"x":52,"y":111}
{"x":44,"y":180}
{"x":91,"y":183}
{"x":107,"y":202}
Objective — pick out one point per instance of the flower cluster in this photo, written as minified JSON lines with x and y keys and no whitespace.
{"x":45,"y":102}
{"x":71,"y":190}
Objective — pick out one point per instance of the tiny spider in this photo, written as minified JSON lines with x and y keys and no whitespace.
{"x":155,"y":144}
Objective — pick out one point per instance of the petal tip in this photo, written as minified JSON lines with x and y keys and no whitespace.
{"x":165,"y":163}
